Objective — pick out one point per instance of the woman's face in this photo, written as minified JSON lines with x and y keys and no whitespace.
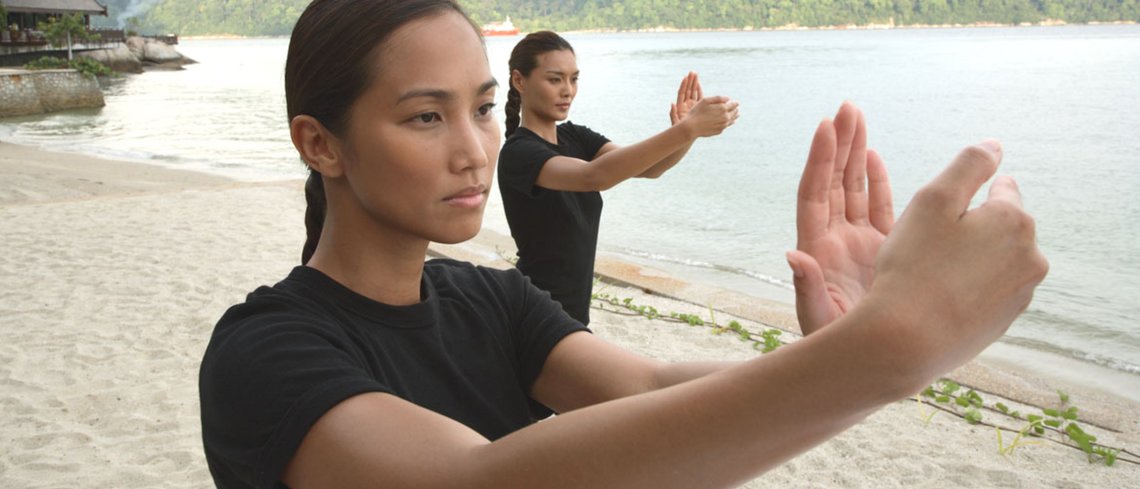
{"x":422,"y":140}
{"x":550,"y":89}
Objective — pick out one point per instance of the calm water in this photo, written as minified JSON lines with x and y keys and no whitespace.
{"x":1063,"y":100}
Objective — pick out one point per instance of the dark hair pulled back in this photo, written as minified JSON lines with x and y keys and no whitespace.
{"x":524,"y":58}
{"x":332,"y":59}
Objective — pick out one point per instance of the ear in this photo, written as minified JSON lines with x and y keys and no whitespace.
{"x":318,"y":147}
{"x":517,"y":80}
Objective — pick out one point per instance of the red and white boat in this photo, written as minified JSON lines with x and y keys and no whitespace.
{"x":505,"y":28}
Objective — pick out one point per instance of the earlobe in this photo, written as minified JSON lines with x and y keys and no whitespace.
{"x":318,"y":147}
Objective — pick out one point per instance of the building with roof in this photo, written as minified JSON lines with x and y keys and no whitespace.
{"x":19,"y":33}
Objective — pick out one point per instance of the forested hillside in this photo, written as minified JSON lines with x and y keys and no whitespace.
{"x":276,"y":17}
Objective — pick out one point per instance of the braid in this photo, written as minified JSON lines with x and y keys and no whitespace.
{"x":314,"y":214}
{"x":514,"y":104}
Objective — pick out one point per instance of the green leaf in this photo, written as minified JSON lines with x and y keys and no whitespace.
{"x":942,"y":399}
{"x":1003,"y":408}
{"x":962,"y":401}
{"x":1064,"y":396}
{"x":1051,"y":412}
{"x":1053,"y":422}
{"x":1070,"y":414}
{"x":973,"y":416}
{"x":949,"y":386}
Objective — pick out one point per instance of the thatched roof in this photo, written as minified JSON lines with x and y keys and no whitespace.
{"x":91,"y":7}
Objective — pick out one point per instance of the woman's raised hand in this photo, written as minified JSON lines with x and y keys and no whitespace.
{"x":841,"y":220}
{"x":711,"y":116}
{"x":949,"y":280}
{"x":687,"y":96}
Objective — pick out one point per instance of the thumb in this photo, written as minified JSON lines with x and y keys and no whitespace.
{"x":813,"y":303}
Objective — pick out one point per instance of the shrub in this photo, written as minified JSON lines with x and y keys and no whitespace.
{"x":87,"y":66}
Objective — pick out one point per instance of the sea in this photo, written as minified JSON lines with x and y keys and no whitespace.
{"x":1064,"y":101}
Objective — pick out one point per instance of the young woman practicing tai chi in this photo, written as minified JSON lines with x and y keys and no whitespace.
{"x":550,"y":174}
{"x":369,"y":367}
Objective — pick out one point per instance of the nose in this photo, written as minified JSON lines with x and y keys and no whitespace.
{"x":468,"y":152}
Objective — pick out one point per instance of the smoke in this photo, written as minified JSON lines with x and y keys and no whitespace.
{"x":134,"y":9}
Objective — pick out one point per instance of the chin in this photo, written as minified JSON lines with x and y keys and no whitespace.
{"x":459,"y":233}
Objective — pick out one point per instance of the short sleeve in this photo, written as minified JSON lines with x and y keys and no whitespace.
{"x":591,"y":142}
{"x":538,"y":324}
{"x":258,"y":404}
{"x":520,"y":162}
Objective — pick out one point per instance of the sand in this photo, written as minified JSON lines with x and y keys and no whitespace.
{"x":116,"y":272}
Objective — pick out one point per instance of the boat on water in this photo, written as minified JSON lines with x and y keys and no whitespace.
{"x":505,"y":28}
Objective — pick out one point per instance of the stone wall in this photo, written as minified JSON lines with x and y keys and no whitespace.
{"x":25,"y":92}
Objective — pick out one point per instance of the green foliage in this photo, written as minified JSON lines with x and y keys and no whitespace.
{"x":87,"y":66}
{"x":276,"y":17}
{"x":46,"y":63}
{"x":58,"y":29}
{"x":90,"y":67}
{"x":1059,"y":421}
{"x":765,"y":341}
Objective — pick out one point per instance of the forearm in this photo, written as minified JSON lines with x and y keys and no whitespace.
{"x":666,"y":164}
{"x":629,"y":161}
{"x":723,"y":429}
{"x":670,"y":374}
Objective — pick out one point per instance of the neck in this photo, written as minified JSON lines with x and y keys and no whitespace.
{"x":544,"y":127}
{"x":371,"y":260}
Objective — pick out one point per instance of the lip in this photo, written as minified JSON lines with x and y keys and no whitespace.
{"x":469,"y":198}
{"x":565,"y":106}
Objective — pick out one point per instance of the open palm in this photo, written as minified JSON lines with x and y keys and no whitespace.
{"x":843,"y":214}
{"x":687,"y":97}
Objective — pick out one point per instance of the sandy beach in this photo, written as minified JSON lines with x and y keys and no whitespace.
{"x":118,"y":271}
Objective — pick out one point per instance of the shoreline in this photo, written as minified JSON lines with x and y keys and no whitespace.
{"x":118,"y":271}
{"x":786,"y":27}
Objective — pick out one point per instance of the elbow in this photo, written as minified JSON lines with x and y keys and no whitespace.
{"x":651,"y":174}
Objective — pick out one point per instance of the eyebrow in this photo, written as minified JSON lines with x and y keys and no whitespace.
{"x":441,"y":94}
{"x":561,"y":73}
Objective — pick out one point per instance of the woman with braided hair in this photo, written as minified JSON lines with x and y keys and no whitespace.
{"x":550,"y":174}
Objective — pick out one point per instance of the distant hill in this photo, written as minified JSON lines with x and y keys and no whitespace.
{"x":276,"y":17}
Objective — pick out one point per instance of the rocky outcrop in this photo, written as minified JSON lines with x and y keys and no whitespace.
{"x":138,"y":54}
{"x":119,"y":59}
{"x":35,"y":92}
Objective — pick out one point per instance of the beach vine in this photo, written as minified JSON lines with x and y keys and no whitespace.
{"x":1059,"y":424}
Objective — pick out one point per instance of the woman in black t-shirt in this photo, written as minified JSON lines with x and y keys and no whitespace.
{"x":369,"y":367}
{"x":550,"y":174}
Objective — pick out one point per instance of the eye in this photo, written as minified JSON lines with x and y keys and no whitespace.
{"x":426,"y":118}
{"x":485,"y":109}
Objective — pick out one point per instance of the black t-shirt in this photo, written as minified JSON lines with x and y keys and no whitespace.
{"x":470,"y":350}
{"x":556,"y":232}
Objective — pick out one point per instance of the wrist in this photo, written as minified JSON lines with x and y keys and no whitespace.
{"x":895,"y":353}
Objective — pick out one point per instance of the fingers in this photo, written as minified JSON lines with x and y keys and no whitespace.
{"x":813,"y":303}
{"x":695,"y":92}
{"x":1005,"y":189}
{"x":846,"y":121}
{"x":813,"y":197}
{"x":686,"y":87}
{"x":733,"y":108}
{"x":950,"y":192}
{"x":855,"y":175}
{"x":881,"y":205}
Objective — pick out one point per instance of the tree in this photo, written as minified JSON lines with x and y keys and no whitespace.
{"x":66,"y":29}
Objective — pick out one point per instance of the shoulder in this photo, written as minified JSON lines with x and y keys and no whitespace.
{"x":577,"y":130}
{"x":272,"y":320}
